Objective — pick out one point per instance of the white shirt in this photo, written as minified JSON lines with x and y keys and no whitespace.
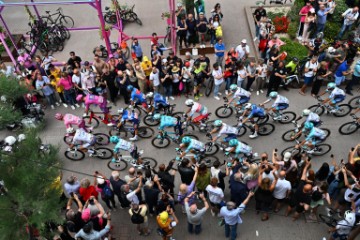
{"x":242,"y":50}
{"x":185,"y":75}
{"x":281,"y":188}
{"x":310,"y":65}
{"x":197,"y":107}
{"x":132,"y":197}
{"x":262,"y":69}
{"x":313,"y":117}
{"x":351,"y":191}
{"x":77,"y":79}
{"x":280,"y":99}
{"x":336,"y":91}
{"x":82,"y":136}
{"x":154,"y":77}
{"x":240,"y":92}
{"x":350,"y":16}
{"x":241,"y":72}
{"x":216,"y":74}
{"x":227,"y":129}
{"x":47,"y":61}
{"x":215,"y":194}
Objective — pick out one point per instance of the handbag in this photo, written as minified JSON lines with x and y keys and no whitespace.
{"x":181,"y":86}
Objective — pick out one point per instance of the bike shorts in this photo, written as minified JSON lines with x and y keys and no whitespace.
{"x":178,"y":129}
{"x":243,"y":100}
{"x":338,"y":99}
{"x":282,"y":106}
{"x":89,"y":144}
{"x":229,"y":137}
{"x":105,"y":110}
{"x":315,"y":123}
{"x":135,"y":123}
{"x":82,"y":125}
{"x":134,"y":153}
{"x":198,"y":81}
{"x":316,"y":140}
{"x":335,"y":235}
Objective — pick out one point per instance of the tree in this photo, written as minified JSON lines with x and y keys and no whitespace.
{"x":32,"y":197}
{"x":10,"y":91}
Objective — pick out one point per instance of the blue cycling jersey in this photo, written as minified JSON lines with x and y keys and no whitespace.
{"x":195,"y":145}
{"x":137,"y":96}
{"x":123,"y":145}
{"x":167,"y":121}
{"x":130,"y":116}
{"x":159,"y":100}
{"x":256,"y":111}
{"x":316,"y":133}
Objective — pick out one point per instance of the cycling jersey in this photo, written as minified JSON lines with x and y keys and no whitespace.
{"x":130,"y":116}
{"x":123,"y":145}
{"x":137,"y":96}
{"x":316,"y":133}
{"x":167,"y":121}
{"x":280,"y":100}
{"x":256,"y":111}
{"x":160,"y":100}
{"x":86,"y":138}
{"x":98,"y":100}
{"x":197,"y":107}
{"x":227,"y":129}
{"x":291,"y":66}
{"x":195,"y":145}
{"x":70,"y":120}
{"x":336,"y":92}
{"x":240,"y":92}
{"x":313,"y":117}
{"x":243,"y":148}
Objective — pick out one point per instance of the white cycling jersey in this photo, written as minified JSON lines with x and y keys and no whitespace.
{"x":197,"y":107}
{"x":227,"y":129}
{"x":82,"y":136}
{"x":280,"y":100}
{"x":313,"y":117}
{"x":336,"y":91}
{"x":240,"y":92}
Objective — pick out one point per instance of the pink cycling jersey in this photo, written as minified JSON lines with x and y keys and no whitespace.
{"x":70,"y":120}
{"x":93,"y":99}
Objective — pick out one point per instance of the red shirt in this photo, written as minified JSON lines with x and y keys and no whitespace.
{"x":86,"y":193}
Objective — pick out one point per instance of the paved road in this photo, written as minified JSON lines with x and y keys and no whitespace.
{"x":278,"y":227}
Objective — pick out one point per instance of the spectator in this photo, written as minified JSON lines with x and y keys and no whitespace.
{"x":164,"y":200}
{"x":186,"y":171}
{"x":342,"y":71}
{"x":43,"y":85}
{"x":146,"y":65}
{"x":216,"y":196}
{"x":303,"y":13}
{"x":186,"y":78}
{"x":219,"y":80}
{"x":201,"y":26}
{"x":217,"y":11}
{"x":121,"y":65}
{"x":318,"y":196}
{"x":71,"y":186}
{"x":350,"y":16}
{"x":181,"y":32}
{"x":219,"y":51}
{"x":281,"y":191}
{"x":355,"y":78}
{"x":251,"y":75}
{"x":261,"y":69}
{"x":122,"y":81}
{"x":103,"y":187}
{"x":94,"y":212}
{"x":309,"y":25}
{"x":88,"y":233}
{"x":321,"y":74}
{"x":116,"y":184}
{"x":167,"y":221}
{"x":166,"y":176}
{"x":139,"y":72}
{"x":69,"y":90}
{"x":166,"y":81}
{"x":180,"y":12}
{"x":275,"y":40}
{"x":154,"y":80}
{"x":136,"y":49}
{"x":151,"y":191}
{"x":231,"y":215}
{"x":243,"y":50}
{"x":203,"y":178}
{"x":138,"y":216}
{"x":195,"y":215}
{"x":73,"y":60}
{"x":241,"y":74}
{"x":321,"y":18}
{"x":215,"y":172}
{"x":229,"y":73}
{"x":278,"y":74}
{"x":86,"y":190}
{"x":185,"y":190}
{"x":238,"y":190}
{"x":310,"y":70}
{"x":191,"y":30}
{"x":98,"y":66}
{"x":259,"y":16}
{"x":176,"y":78}
{"x":74,"y":221}
{"x":132,"y":195}
{"x":109,"y":78}
{"x":215,"y":27}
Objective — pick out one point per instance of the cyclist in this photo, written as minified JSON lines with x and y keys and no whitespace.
{"x":238,"y":92}
{"x":280,"y":103}
{"x":70,"y":120}
{"x":192,"y":145}
{"x":169,"y":121}
{"x":93,"y":99}
{"x":310,"y":117}
{"x":193,"y":108}
{"x":124,"y":145}
{"x":223,"y":128}
{"x":130,"y":116}
{"x":137,"y":97}
{"x":336,"y":96}
{"x":237,"y":147}
{"x":86,"y":139}
{"x":315,"y":136}
{"x":343,"y":227}
{"x":252,"y":111}
{"x":158,"y":101}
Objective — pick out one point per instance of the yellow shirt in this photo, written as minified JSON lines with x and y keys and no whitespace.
{"x":57,"y":74}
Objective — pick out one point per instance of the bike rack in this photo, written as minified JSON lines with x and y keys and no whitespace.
{"x":96,"y":4}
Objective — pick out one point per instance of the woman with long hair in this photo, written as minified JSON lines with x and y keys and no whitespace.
{"x":203,"y":179}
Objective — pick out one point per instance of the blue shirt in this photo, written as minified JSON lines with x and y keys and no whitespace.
{"x":129,"y":116}
{"x":256,"y":111}
{"x":342,"y":68}
{"x":357,"y":69}
{"x":137,"y":50}
{"x":159,"y":100}
{"x":322,"y":16}
{"x":220,"y":47}
{"x":232,"y":217}
{"x":137,"y":96}
{"x":42,"y":85}
{"x":93,"y":235}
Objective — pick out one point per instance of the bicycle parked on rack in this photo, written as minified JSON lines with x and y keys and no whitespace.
{"x":126,"y":13}
{"x":350,"y":127}
{"x":60,"y":19}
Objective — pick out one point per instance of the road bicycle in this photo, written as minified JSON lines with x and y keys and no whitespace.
{"x":138,"y":109}
{"x":283,"y":117}
{"x":76,"y":154}
{"x":330,"y":219}
{"x":350,"y":127}
{"x":101,"y":138}
{"x":208,"y":160}
{"x":126,"y":129}
{"x":213,"y":148}
{"x":61,"y":19}
{"x":227,"y":110}
{"x":126,"y":13}
{"x":121,"y":162}
{"x":264,"y":128}
{"x":318,"y":150}
{"x":93,"y":120}
{"x":164,"y":138}
{"x":209,"y":85}
{"x":288,"y":135}
{"x":168,"y":110}
{"x":201,"y":123}
{"x":355,"y":102}
{"x":340,"y":110}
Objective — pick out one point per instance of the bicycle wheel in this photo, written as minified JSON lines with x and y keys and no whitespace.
{"x":67,"y":21}
{"x":91,"y":122}
{"x":149,"y":162}
{"x":74,"y":155}
{"x":211,"y":148}
{"x":68,"y":139}
{"x":266,"y":129}
{"x":178,"y":114}
{"x":287,"y":136}
{"x":330,"y":221}
{"x":118,"y":133}
{"x":150,"y":121}
{"x":132,"y":17}
{"x":209,"y":86}
{"x":343,"y":110}
{"x":262,"y":120}
{"x":241,"y":130}
{"x":47,"y":20}
{"x":160,"y":142}
{"x":354,"y":102}
{"x":327,"y":131}
{"x":209,"y":160}
{"x":103,"y":153}
{"x":348,"y":128}
{"x":287,"y":117}
{"x":292,"y":150}
{"x":145,"y":132}
{"x":102,"y":139}
{"x":321,"y":149}
{"x":117,"y":166}
{"x":319,"y":110}
{"x":223,"y":112}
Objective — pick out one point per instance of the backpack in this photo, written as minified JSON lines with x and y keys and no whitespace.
{"x":316,"y":196}
{"x":136,"y":218}
{"x":108,"y":193}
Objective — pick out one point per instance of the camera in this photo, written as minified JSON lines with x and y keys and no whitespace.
{"x":91,"y":201}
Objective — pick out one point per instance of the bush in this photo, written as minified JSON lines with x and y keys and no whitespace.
{"x":294,"y":17}
{"x":294,"y":49}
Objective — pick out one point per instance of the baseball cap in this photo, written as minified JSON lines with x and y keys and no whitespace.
{"x":287,"y":156}
{"x":243,"y":41}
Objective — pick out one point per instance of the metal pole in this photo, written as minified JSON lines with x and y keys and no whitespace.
{"x":7,"y":48}
{"x":8,"y":32}
{"x":120,"y":24}
{"x":36,"y":11}
{"x":102,"y":23}
{"x":172,"y":24}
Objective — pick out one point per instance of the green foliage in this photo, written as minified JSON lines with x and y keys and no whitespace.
{"x":332,"y":29}
{"x":294,"y":49}
{"x":31,"y":197}
{"x":8,"y":42}
{"x":273,"y":15}
{"x":340,"y":8}
{"x":10,"y":88}
{"x":8,"y":115}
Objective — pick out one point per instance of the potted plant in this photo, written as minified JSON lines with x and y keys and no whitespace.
{"x":166,"y":15}
{"x":107,"y":31}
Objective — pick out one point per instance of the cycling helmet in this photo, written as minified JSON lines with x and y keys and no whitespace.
{"x":3,"y":98}
{"x":233,"y":87}
{"x":233,"y":142}
{"x":129,"y":88}
{"x":157,"y":116}
{"x":308,"y":125}
{"x":79,"y":97}
{"x":295,"y":60}
{"x":331,"y":85}
{"x":10,"y":140}
{"x":120,"y":111}
{"x":350,"y":217}
{"x":186,"y":140}
{"x":70,"y":130}
{"x":305,"y":112}
{"x":21,"y":137}
{"x":247,"y":106}
{"x":273,"y":94}
{"x":218,"y":123}
{"x":59,"y":116}
{"x":114,"y":139}
{"x":150,"y":95}
{"x":189,"y":102}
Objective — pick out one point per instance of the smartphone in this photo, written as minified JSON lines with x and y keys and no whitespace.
{"x":72,"y":194}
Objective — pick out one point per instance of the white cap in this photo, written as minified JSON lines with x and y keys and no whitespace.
{"x":243,"y":41}
{"x":100,"y":180}
{"x":164,"y":60}
{"x":287,"y":156}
